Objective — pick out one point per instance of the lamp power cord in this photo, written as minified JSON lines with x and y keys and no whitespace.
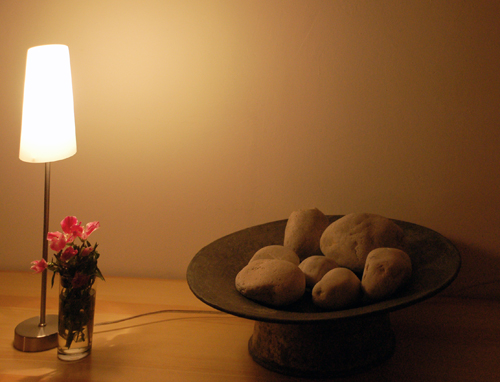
{"x":191,"y":311}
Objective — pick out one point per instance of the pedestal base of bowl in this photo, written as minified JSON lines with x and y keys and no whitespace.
{"x":323,"y":349}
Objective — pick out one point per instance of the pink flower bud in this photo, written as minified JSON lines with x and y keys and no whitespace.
{"x":86,"y":251}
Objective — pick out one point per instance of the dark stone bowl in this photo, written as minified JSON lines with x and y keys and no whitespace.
{"x":212,"y":271}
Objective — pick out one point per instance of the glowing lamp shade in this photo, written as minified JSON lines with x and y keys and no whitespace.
{"x":48,"y":121}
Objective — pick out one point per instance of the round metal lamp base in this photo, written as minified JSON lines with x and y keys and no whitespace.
{"x":31,"y":337}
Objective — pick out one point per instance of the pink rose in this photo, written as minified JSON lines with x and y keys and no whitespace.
{"x":57,"y":241}
{"x":39,"y":265}
{"x":71,"y":227}
{"x":68,"y":253}
{"x":89,"y":228}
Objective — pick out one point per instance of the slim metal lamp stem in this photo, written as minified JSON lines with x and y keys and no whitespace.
{"x":46,"y":209}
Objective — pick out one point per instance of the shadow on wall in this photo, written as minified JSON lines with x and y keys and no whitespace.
{"x":479,"y":276}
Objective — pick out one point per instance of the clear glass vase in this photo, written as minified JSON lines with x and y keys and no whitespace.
{"x":76,"y":321}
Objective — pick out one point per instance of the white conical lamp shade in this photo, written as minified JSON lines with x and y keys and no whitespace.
{"x":48,"y":123}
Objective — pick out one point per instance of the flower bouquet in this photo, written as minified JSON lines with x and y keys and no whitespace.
{"x":76,"y":264}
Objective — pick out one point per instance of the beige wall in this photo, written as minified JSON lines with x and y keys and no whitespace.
{"x":198,"y":118}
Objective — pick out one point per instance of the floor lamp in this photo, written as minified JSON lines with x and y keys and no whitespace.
{"x":47,"y":135}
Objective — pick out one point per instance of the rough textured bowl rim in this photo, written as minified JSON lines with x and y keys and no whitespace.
{"x":211,"y":273}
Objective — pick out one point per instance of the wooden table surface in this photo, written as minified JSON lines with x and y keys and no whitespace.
{"x":441,"y":339}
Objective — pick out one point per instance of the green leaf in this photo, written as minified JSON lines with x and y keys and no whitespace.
{"x":99,"y":274}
